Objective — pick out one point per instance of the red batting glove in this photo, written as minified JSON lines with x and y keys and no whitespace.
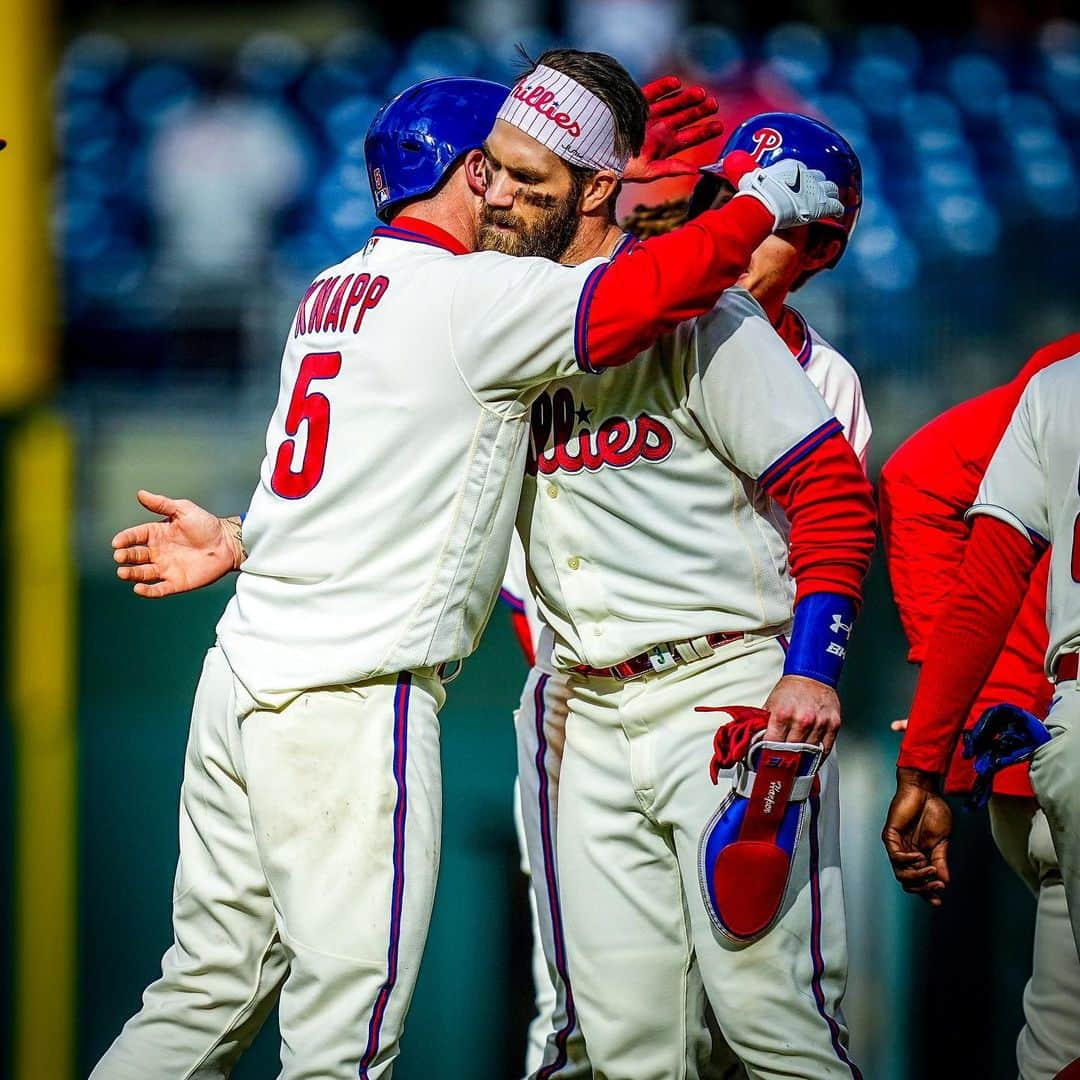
{"x":732,"y":740}
{"x":680,"y":118}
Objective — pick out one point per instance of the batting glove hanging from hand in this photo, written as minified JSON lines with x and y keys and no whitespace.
{"x":794,"y":194}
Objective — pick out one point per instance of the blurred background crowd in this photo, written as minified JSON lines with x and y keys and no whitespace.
{"x":201,"y":163}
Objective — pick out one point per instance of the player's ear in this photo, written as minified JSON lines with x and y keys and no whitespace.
{"x":824,"y":245}
{"x":597,"y":190}
{"x":475,"y":174}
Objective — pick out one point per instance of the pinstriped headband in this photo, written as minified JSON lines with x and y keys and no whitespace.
{"x":569,"y":120}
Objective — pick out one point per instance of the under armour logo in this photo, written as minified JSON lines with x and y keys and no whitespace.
{"x":765,"y":139}
{"x":838,"y":624}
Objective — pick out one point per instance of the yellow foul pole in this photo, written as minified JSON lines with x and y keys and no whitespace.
{"x":40,"y":575}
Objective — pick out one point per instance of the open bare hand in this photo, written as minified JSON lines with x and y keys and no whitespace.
{"x":187,"y":550}
{"x":803,"y":710}
{"x":680,"y":118}
{"x":916,"y":835}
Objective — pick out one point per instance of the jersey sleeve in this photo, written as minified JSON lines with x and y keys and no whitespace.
{"x":838,"y":383}
{"x":514,"y":322}
{"x":1014,"y":487}
{"x":753,"y":403}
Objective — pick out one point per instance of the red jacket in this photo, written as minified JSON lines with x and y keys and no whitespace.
{"x":925,"y":489}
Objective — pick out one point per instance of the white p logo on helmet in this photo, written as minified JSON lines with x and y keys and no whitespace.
{"x":765,"y":139}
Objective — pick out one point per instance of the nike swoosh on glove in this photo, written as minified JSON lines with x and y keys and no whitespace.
{"x":794,"y":194}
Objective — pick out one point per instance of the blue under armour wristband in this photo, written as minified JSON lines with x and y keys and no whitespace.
{"x":819,"y":637}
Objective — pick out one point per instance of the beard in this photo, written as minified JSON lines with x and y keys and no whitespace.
{"x":547,"y":237}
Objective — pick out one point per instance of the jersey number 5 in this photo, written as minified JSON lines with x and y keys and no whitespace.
{"x":313,"y":407}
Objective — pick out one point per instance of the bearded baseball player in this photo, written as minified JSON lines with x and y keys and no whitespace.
{"x":310,"y":814}
{"x":661,"y":567}
{"x":926,"y":487}
{"x":782,"y":262}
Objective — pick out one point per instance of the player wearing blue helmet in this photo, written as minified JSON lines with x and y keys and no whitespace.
{"x":311,"y":813}
{"x":786,"y":260}
{"x":419,"y":135}
{"x":777,"y":136}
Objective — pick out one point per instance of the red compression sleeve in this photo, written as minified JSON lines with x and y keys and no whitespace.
{"x":830,"y":505}
{"x":630,"y":302}
{"x":968,"y":635}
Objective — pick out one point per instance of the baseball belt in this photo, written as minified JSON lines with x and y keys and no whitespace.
{"x":667,"y":654}
{"x":1067,"y":667}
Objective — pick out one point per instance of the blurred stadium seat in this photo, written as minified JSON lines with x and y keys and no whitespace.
{"x":959,"y":145}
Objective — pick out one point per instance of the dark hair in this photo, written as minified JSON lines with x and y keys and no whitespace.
{"x":605,"y":77}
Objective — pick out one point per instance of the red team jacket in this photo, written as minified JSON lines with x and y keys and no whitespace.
{"x":925,"y":489}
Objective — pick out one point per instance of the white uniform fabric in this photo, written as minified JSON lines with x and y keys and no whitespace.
{"x":540,"y":725}
{"x":1050,"y":1038}
{"x":838,"y":383}
{"x":392,"y":557}
{"x":655,"y":467}
{"x":634,"y":796}
{"x":284,"y":889}
{"x":378,"y":536}
{"x":1031,"y":484}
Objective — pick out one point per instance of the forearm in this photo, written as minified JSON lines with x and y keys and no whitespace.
{"x":967,"y":638}
{"x":668,"y":279}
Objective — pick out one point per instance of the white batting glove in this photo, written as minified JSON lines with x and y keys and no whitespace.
{"x":793,"y":193}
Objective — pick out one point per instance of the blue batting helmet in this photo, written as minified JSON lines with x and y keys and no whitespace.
{"x":416,"y":137}
{"x":771,"y":137}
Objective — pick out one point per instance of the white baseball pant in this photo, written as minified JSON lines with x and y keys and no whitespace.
{"x":634,"y":797}
{"x":542,"y":1023}
{"x":1055,"y":778}
{"x":555,"y":1047}
{"x":309,"y":849}
{"x":1050,"y":1038}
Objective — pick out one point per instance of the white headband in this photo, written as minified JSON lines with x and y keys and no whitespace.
{"x":559,"y":112}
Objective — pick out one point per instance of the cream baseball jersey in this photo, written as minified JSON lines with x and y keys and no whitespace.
{"x":1032,"y":484}
{"x":664,"y":468}
{"x":378,"y":533}
{"x":837,"y":382}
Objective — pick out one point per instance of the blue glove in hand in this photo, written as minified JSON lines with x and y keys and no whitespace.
{"x":1002,"y":736}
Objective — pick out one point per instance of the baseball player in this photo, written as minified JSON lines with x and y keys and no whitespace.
{"x":926,"y":486}
{"x":661,"y":568}
{"x":376,"y":540}
{"x":782,"y":262}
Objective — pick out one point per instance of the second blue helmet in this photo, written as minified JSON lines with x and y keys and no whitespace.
{"x":772,"y":137}
{"x":417,"y":136}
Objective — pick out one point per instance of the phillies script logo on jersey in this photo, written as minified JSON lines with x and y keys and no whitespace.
{"x":765,"y":139}
{"x":616,"y":443}
{"x":543,"y":101}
